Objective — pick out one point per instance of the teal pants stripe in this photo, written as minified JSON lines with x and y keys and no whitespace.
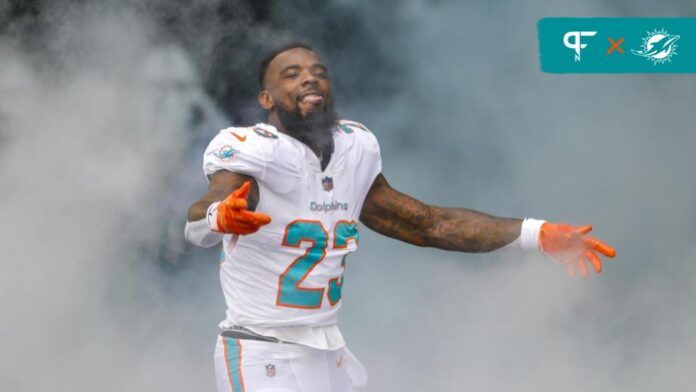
{"x":233,"y":356}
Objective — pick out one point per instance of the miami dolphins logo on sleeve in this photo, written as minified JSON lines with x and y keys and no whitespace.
{"x":659,"y":47}
{"x":225,"y":153}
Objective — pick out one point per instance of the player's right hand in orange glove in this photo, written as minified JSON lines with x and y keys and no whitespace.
{"x":572,"y":246}
{"x":231,"y":215}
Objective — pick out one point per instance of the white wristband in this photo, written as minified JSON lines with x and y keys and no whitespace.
{"x":200,"y":234}
{"x":529,"y":234}
{"x":211,"y":216}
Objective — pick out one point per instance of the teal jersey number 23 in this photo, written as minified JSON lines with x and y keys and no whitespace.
{"x":290,"y":294}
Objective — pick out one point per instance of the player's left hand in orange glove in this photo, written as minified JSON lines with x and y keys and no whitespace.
{"x":231,"y":215}
{"x":572,"y":246}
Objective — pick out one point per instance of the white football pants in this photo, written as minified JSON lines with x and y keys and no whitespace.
{"x":243,"y":365}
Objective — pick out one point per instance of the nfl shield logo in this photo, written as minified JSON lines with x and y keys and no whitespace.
{"x":270,"y":370}
{"x":327,"y":182}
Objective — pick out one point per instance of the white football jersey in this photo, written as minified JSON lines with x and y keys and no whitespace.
{"x":289,"y":273}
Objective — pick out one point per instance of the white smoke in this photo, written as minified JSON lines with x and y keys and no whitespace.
{"x":94,"y":130}
{"x":478,"y":125}
{"x":97,"y":172}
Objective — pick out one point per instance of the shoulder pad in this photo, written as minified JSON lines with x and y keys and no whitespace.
{"x":348,"y":126}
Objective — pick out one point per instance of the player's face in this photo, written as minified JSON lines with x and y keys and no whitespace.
{"x":297,"y":81}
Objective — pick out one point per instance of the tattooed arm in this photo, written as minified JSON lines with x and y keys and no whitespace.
{"x":394,"y":214}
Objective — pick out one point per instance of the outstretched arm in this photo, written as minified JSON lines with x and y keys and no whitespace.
{"x":394,"y":214}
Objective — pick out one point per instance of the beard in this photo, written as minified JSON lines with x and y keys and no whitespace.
{"x":313,"y":129}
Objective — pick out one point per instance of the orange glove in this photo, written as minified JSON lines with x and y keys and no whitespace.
{"x":233,"y":216}
{"x":571,"y":246}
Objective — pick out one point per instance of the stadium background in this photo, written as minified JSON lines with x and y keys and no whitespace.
{"x":105,"y":109}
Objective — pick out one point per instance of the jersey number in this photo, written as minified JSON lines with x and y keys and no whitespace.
{"x":290,"y":294}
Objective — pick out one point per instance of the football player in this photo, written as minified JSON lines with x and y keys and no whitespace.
{"x":285,"y":198}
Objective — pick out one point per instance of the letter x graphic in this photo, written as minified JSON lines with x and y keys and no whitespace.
{"x":615,"y":45}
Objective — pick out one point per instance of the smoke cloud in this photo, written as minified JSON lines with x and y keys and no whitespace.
{"x":104,"y":111}
{"x":94,"y":134}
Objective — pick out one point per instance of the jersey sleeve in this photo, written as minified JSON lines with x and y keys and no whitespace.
{"x":232,"y":149}
{"x":371,"y":157}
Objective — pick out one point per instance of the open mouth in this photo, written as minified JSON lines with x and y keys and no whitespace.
{"x":311,"y":97}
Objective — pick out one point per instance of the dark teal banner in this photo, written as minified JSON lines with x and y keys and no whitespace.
{"x":617,"y":45}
